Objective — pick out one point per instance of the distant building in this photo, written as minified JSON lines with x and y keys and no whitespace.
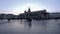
{"x":55,"y":15}
{"x":42,"y":14}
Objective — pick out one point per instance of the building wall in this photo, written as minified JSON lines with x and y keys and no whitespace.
{"x":35,"y":14}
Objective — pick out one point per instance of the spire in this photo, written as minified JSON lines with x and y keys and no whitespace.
{"x":29,"y":10}
{"x":25,"y":11}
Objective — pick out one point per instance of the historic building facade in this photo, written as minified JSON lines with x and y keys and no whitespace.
{"x":42,"y":14}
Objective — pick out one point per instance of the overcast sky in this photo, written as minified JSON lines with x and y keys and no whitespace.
{"x":18,"y":6}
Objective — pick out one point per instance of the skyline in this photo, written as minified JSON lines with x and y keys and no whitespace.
{"x":19,"y":6}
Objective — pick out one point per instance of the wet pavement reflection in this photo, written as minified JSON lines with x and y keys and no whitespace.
{"x":30,"y":27}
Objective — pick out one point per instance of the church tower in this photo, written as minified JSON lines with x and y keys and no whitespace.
{"x":25,"y":11}
{"x":29,"y":10}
